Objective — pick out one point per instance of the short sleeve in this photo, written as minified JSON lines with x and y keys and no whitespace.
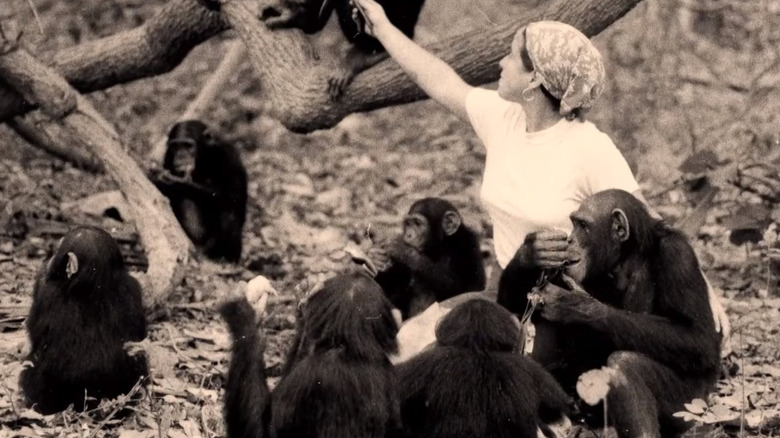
{"x":609,"y":169}
{"x":487,"y":113}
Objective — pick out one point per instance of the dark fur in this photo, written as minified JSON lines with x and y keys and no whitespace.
{"x":475,"y":382}
{"x":215,"y":192}
{"x":78,"y":326}
{"x":338,"y":381}
{"x":654,"y":325}
{"x":451,"y":265}
{"x":365,"y":51}
{"x":310,"y":17}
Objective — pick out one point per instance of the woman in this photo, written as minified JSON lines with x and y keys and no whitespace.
{"x":543,"y":158}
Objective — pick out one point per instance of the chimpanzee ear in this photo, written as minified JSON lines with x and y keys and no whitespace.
{"x":72,"y":266}
{"x":450,"y":222}
{"x":620,"y":228}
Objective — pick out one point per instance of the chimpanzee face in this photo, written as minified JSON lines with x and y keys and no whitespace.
{"x":184,"y":152}
{"x":595,"y":240}
{"x":417,"y":231}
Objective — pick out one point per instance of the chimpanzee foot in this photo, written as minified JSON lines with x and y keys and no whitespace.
{"x":337,"y":85}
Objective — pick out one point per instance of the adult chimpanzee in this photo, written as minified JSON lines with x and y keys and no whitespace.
{"x":476,"y":382}
{"x":85,"y":307}
{"x":206,"y":184}
{"x":338,"y":380}
{"x":645,"y":315}
{"x":435,"y":258}
{"x":311,"y":16}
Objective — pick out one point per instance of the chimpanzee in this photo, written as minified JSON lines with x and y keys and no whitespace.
{"x":476,"y":382}
{"x":206,"y":184}
{"x":645,"y":315}
{"x":311,"y":16}
{"x":85,"y":307}
{"x":338,"y":380}
{"x":436,"y":257}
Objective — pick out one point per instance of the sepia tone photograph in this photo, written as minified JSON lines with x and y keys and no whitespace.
{"x":390,"y":218}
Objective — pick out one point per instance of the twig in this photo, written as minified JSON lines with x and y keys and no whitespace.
{"x":172,"y":339}
{"x":119,"y":406}
{"x":213,"y":86}
{"x":37,"y":18}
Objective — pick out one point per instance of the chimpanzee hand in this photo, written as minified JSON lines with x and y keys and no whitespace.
{"x":543,"y":249}
{"x":256,"y":293}
{"x":275,"y":19}
{"x":377,"y":260}
{"x":569,"y":306}
{"x":398,"y":250}
{"x":164,"y":176}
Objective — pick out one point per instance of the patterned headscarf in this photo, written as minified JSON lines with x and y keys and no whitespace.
{"x":566,"y":63}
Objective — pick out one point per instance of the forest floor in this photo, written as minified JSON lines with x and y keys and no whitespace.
{"x":311,"y":197}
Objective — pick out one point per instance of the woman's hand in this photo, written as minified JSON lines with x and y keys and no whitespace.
{"x":543,"y":249}
{"x":372,"y":13}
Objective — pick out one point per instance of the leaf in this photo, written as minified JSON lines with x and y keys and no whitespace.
{"x":697,"y":406}
{"x":686,"y":416}
{"x":202,"y":394}
{"x":136,"y":433}
{"x":723,"y":413}
{"x":593,"y":386}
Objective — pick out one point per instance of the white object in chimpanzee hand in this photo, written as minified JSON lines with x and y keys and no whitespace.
{"x":257,"y":291}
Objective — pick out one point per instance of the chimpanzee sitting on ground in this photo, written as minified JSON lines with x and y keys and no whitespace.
{"x":311,"y":16}
{"x":206,"y":184}
{"x":85,"y":307}
{"x":476,"y":382}
{"x":338,"y":380}
{"x":645,"y":315}
{"x":435,"y":258}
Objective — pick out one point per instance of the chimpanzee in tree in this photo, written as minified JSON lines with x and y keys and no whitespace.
{"x":311,"y":16}
{"x":338,"y":380}
{"x":476,"y":382}
{"x":206,"y":184}
{"x":642,"y":311}
{"x":436,"y":257}
{"x":85,"y":307}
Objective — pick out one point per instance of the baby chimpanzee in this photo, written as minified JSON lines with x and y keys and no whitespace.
{"x":435,"y":258}
{"x":206,"y":184}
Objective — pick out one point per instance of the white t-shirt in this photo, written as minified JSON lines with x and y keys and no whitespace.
{"x":533,"y":181}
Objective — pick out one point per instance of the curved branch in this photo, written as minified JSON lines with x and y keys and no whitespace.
{"x":153,"y":48}
{"x":166,"y":244}
{"x":295,"y":83}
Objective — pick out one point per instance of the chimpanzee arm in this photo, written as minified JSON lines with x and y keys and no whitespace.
{"x":130,"y":314}
{"x":680,"y":333}
{"x":174,"y":186}
{"x":437,"y":276}
{"x":247,"y":398}
{"x":514,"y":286}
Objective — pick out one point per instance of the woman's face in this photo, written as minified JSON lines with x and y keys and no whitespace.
{"x":515,"y":74}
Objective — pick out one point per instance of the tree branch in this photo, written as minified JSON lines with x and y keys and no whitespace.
{"x":166,"y":244}
{"x":151,"y":49}
{"x":294,"y":83}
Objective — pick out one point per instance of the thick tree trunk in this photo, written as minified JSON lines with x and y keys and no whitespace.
{"x":153,"y":48}
{"x":294,"y":82}
{"x":166,"y":244}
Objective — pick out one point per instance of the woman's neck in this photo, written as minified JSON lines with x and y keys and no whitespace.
{"x":540,"y":114}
